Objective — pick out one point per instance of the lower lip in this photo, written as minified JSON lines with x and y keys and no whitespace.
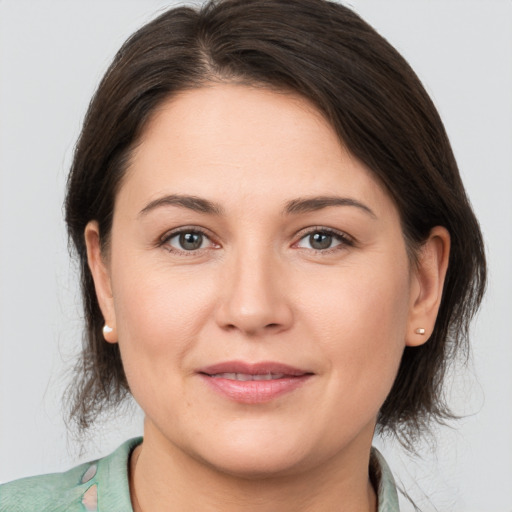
{"x":255,"y":391}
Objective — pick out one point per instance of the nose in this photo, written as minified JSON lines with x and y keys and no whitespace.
{"x":254,"y":299}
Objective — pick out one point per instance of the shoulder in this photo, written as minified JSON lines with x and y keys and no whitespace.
{"x":58,"y":491}
{"x":81,"y":488}
{"x":383,"y":482}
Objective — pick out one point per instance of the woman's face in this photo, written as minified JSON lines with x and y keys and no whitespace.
{"x":258,"y":283}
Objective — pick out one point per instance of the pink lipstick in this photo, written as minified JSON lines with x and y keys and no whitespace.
{"x":253,"y":383}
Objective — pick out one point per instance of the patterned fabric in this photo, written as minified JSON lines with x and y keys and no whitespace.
{"x":98,"y":486}
{"x":102,"y":486}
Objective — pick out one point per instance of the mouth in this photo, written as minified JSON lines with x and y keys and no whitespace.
{"x":244,"y":377}
{"x":253,"y":383}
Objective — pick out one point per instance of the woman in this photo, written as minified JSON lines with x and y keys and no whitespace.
{"x":278,"y":257}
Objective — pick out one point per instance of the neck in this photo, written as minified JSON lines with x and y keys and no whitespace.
{"x":164,"y":477}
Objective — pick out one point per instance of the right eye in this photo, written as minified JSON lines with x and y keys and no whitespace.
{"x":187,"y":241}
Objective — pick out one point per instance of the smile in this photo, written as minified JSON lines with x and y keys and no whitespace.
{"x":253,"y":383}
{"x":246,"y":376}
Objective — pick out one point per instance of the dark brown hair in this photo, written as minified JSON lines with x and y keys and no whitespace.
{"x":372,"y":98}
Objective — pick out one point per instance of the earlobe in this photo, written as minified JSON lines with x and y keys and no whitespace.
{"x":427,"y":289}
{"x":101,"y":276}
{"x":109,"y":333}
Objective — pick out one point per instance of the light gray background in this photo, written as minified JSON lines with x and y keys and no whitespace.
{"x":52,"y":54}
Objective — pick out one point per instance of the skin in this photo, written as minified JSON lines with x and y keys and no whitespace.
{"x":257,"y":290}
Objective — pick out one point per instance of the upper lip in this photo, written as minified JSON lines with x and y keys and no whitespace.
{"x":260,"y":368}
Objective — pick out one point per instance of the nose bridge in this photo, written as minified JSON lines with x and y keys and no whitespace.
{"x":254,"y":300}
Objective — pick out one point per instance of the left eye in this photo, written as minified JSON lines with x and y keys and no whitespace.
{"x":188,"y":241}
{"x":320,"y":240}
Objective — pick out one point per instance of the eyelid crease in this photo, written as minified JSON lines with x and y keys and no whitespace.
{"x":346,"y":238}
{"x":164,"y":239}
{"x":184,"y":229}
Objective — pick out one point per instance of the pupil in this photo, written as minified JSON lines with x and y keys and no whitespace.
{"x":320,"y":240}
{"x":191,"y":241}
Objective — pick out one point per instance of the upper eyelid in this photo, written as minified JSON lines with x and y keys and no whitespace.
{"x":323,"y":229}
{"x":163,"y":241}
{"x":297,"y":237}
{"x":185,"y":229}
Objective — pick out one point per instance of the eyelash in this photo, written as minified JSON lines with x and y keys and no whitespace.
{"x":343,"y":239}
{"x":193,"y":230}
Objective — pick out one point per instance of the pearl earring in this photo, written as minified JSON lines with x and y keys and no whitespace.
{"x":420,"y":331}
{"x":107,"y":329}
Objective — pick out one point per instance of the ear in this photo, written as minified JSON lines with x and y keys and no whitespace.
{"x":427,"y":286}
{"x":101,"y":276}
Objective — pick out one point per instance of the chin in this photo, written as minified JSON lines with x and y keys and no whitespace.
{"x":256,"y":466}
{"x":256,"y":456}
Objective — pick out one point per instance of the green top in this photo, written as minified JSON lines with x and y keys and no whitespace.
{"x":102,"y":486}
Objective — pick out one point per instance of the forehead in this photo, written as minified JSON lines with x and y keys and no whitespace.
{"x":241,"y":118}
{"x":231,"y":141}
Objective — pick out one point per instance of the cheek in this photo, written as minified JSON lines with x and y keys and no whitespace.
{"x":159,"y":324}
{"x":158,"y":312}
{"x":372,"y":298}
{"x":361,"y":321}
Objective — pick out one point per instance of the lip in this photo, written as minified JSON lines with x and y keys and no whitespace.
{"x":285,"y":378}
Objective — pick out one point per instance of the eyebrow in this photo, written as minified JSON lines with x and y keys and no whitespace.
{"x":294,"y":207}
{"x":194,"y":203}
{"x":306,"y":205}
